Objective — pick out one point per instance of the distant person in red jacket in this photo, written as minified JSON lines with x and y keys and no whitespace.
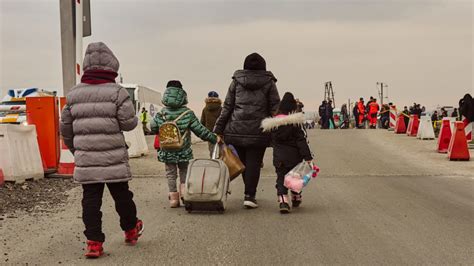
{"x":361,"y":109}
{"x":373,"y":111}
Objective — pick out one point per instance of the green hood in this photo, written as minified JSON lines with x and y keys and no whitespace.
{"x":175,"y":97}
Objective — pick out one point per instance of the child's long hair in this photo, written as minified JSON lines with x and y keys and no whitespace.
{"x":287,"y":105}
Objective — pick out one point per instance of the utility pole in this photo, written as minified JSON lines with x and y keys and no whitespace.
{"x":382,"y":86}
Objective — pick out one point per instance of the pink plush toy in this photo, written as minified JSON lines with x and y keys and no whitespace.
{"x":300,"y":176}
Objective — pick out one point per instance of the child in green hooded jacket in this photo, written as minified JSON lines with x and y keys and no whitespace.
{"x":175,"y":100}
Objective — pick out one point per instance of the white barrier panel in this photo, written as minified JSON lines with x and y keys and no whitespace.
{"x":136,"y":142}
{"x":20,"y":157}
{"x":426,"y":131}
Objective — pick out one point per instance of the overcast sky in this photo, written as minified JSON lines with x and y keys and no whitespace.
{"x":421,"y":48}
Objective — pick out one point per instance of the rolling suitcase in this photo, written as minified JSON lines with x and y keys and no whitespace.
{"x":207,"y":185}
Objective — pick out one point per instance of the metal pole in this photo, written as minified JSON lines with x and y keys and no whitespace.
{"x":68,"y":44}
{"x":381,"y":93}
{"x":79,"y":26}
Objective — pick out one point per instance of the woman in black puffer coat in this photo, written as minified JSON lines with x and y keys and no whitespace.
{"x":252,"y":96}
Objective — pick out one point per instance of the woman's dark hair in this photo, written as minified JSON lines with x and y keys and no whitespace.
{"x":288,"y":104}
{"x":174,"y":83}
{"x":255,"y":62}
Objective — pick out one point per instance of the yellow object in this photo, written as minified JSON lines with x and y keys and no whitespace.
{"x":10,"y":118}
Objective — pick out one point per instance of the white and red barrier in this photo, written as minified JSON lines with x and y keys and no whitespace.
{"x":136,"y":142}
{"x":20,"y":155}
{"x":66,"y":161}
{"x":468,"y":126}
{"x":393,"y":117}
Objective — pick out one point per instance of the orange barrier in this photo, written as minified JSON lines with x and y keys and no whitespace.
{"x":44,"y":114}
{"x":458,"y":149}
{"x":444,"y":136}
{"x":414,"y":126}
{"x":400,"y":127}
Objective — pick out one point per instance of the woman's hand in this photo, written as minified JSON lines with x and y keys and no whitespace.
{"x":220,"y":139}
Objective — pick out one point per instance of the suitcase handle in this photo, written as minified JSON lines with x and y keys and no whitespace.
{"x":215,"y":152}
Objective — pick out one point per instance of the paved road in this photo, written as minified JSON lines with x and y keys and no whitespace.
{"x":381,"y":199}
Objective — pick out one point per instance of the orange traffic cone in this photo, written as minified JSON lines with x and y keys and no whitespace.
{"x":458,"y":149}
{"x":414,"y":126}
{"x":400,"y":127}
{"x":66,"y":161}
{"x":444,"y":136}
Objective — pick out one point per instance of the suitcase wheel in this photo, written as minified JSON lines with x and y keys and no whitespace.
{"x":220,"y":209}
{"x":188,"y":207}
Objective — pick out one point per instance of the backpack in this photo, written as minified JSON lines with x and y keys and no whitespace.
{"x":170,"y":135}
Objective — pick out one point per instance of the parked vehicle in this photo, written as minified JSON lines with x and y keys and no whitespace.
{"x":13,"y":105}
{"x":144,"y":97}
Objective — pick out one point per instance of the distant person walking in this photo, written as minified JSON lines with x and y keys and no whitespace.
{"x":330,"y":114}
{"x":211,"y":113}
{"x":406,"y":116}
{"x":385,"y":116}
{"x":361,"y":112}
{"x":355,"y":113}
{"x":324,"y":120}
{"x":373,"y":112}
{"x":252,"y":97}
{"x":455,"y":114}
{"x":97,"y":112}
{"x":144,"y":119}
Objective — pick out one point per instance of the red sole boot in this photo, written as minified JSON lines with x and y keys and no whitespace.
{"x":94,"y":249}
{"x":131,"y":236}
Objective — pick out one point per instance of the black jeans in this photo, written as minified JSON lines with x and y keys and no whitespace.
{"x":92,"y":202}
{"x":281,"y":172}
{"x":252,"y":158}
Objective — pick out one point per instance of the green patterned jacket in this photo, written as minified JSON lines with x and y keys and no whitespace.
{"x":175,"y":100}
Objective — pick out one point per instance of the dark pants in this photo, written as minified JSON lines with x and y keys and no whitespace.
{"x":324,"y":122}
{"x":92,"y":202}
{"x":252,"y":158}
{"x":281,"y":172}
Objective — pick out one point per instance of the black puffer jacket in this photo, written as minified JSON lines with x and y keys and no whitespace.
{"x":252,"y":97}
{"x":466,"y":107}
{"x":290,"y":145}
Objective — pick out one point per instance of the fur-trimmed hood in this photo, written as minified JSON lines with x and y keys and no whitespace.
{"x":272,"y":123}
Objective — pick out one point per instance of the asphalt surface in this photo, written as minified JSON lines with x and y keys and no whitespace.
{"x":380,"y":199}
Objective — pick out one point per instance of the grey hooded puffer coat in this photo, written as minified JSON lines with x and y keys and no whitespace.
{"x":93,"y":120}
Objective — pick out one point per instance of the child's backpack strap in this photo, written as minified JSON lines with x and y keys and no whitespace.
{"x":181,"y":116}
